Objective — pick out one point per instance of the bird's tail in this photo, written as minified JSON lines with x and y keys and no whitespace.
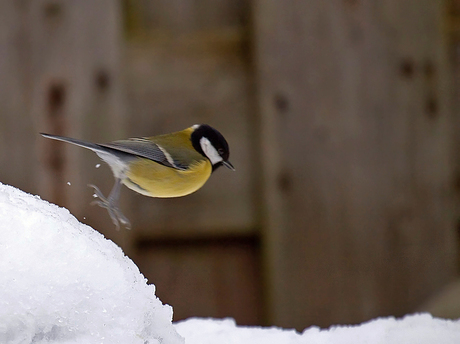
{"x":89,"y":145}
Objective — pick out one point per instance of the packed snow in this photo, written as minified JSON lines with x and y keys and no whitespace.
{"x":413,"y":329}
{"x":62,"y":282}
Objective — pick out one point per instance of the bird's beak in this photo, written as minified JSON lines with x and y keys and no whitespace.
{"x":228,"y":165}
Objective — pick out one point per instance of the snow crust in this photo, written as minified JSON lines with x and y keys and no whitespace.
{"x":412,"y":329}
{"x":63,"y":282}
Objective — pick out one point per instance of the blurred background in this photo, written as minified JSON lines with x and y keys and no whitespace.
{"x":342,"y":118}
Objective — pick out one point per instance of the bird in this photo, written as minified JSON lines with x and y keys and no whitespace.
{"x":163,"y":166}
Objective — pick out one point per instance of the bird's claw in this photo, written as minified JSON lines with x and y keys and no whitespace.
{"x":110,"y":204}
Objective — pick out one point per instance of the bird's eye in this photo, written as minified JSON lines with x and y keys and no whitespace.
{"x":220,"y":151}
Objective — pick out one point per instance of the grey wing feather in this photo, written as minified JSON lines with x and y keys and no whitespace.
{"x":146,"y":149}
{"x":136,"y":146}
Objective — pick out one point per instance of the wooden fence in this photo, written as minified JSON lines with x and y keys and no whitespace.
{"x":341,"y":119}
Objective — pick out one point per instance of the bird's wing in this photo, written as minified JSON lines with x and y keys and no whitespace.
{"x":146,"y":149}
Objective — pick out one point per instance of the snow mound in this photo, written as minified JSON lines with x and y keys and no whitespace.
{"x":412,"y":329}
{"x":63,"y":282}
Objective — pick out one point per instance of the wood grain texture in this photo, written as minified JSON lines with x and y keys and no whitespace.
{"x":174,"y":18}
{"x":453,"y":37}
{"x":187,"y":62}
{"x":357,"y":157}
{"x":17,"y":154}
{"x":173,"y":84}
{"x":206,"y":278}
{"x":61,"y":67}
{"x":356,"y":135}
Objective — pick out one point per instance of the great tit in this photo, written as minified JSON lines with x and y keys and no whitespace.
{"x":169,"y":165}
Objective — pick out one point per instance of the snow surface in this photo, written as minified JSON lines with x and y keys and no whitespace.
{"x":413,"y":329}
{"x":62,"y":282}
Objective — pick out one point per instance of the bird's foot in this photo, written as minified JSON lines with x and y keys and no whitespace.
{"x":110,"y":204}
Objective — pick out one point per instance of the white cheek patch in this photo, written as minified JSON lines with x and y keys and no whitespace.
{"x":210,"y":151}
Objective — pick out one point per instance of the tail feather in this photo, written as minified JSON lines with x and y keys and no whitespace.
{"x":85,"y":144}
{"x":116,"y":159}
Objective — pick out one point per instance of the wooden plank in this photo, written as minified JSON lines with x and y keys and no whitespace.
{"x":173,"y":84}
{"x":179,"y":17}
{"x":62,"y":73}
{"x":17,"y":138}
{"x":206,"y":278}
{"x":187,"y":63}
{"x":453,"y":32}
{"x":356,"y":129}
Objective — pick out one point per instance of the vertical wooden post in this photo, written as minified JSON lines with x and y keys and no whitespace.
{"x":356,"y":141}
{"x":453,"y":32}
{"x":61,"y":74}
{"x":17,"y":159}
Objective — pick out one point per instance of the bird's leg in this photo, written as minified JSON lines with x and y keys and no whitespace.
{"x":111,"y":204}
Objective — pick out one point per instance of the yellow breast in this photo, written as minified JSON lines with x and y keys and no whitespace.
{"x":155,"y":180}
